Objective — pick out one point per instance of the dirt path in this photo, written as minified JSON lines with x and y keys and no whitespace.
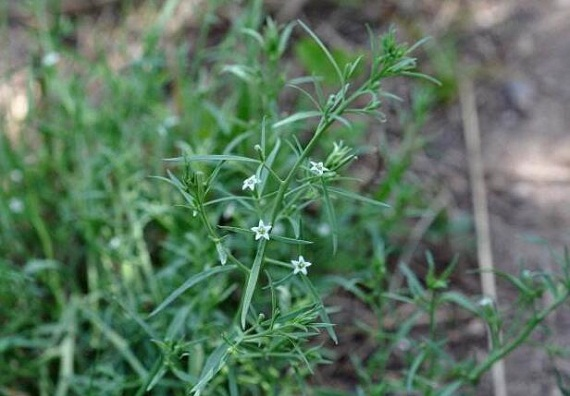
{"x":526,"y":150}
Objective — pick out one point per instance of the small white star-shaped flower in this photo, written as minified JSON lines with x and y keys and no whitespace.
{"x":250,"y":182}
{"x":50,"y":59}
{"x":16,"y":175}
{"x":16,"y":205}
{"x":318,"y":168}
{"x":115,"y":243}
{"x":262,"y":230}
{"x":300,"y":265}
{"x":486,"y":302}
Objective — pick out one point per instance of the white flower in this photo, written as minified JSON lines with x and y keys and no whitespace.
{"x":50,"y":59}
{"x":16,"y":205}
{"x":171,"y":121}
{"x":250,"y":182}
{"x":168,"y":123}
{"x":161,"y":130}
{"x":300,"y":265}
{"x":115,"y":243}
{"x":404,"y":345}
{"x":262,"y":230}
{"x":323,"y":229}
{"x":318,"y":168}
{"x":486,"y":302}
{"x":16,"y":175}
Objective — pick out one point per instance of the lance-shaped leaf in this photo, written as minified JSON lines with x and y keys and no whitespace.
{"x":189,"y":283}
{"x":252,"y":281}
{"x":212,"y":158}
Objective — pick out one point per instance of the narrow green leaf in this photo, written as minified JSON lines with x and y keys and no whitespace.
{"x":322,"y":310}
{"x":252,"y":282}
{"x":460,"y":300}
{"x":189,"y":283}
{"x":343,"y":121}
{"x":356,"y":197}
{"x":212,"y":157}
{"x":414,"y":284}
{"x":238,"y":198}
{"x":325,"y":51}
{"x":284,"y":38}
{"x":254,"y":34}
{"x":174,"y":181}
{"x":157,"y":372}
{"x":519,"y":284}
{"x":232,"y":382}
{"x":307,"y":94}
{"x":235,"y":229}
{"x":178,"y":323}
{"x":214,"y":363}
{"x":169,"y":181}
{"x":303,"y":115}
{"x":329,"y":208}
{"x":417,"y":44}
{"x":294,"y":82}
{"x":451,"y":389}
{"x":295,"y":221}
{"x":291,"y":241}
{"x":264,"y":173}
{"x":155,"y":379}
{"x":263,"y":135}
{"x":242,"y":72}
{"x":414,"y":369}
{"x":398,"y":297}
{"x":118,"y":341}
{"x":422,"y":76}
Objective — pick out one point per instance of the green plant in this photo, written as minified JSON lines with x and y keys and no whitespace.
{"x":284,"y":178}
{"x":106,"y":288}
{"x":430,"y":366}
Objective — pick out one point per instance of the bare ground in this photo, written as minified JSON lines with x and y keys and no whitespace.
{"x":524,"y":115}
{"x":527,"y":157}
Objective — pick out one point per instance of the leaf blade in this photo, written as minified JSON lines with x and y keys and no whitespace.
{"x":212,"y":157}
{"x":303,"y":115}
{"x":252,"y":282}
{"x":188,"y":284}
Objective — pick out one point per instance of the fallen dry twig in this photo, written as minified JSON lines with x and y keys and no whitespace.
{"x":480,"y":209}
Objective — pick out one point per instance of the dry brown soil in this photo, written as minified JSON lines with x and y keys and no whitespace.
{"x":526,"y":151}
{"x":524,"y":113}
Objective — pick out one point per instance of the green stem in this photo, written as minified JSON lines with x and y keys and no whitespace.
{"x":502,"y":352}
{"x":326,"y":121}
{"x":431,"y":358}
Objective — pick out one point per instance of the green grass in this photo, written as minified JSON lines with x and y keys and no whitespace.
{"x":122,"y":201}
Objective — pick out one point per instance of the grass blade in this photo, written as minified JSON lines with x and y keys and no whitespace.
{"x":252,"y":282}
{"x":291,"y":241}
{"x":214,"y":364}
{"x":322,"y":310}
{"x":189,"y":283}
{"x":119,"y":342}
{"x":331,"y":216}
{"x":325,"y":51}
{"x":356,"y":197}
{"x":303,"y":115}
{"x":212,"y":157}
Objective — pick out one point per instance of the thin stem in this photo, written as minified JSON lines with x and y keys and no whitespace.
{"x":502,"y":352}
{"x":432,"y":331}
{"x":326,"y":121}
